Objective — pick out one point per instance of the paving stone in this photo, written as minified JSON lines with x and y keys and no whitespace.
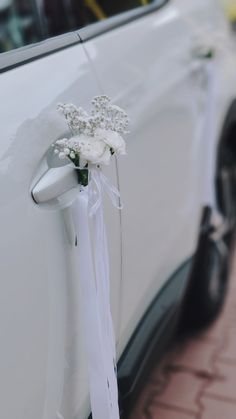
{"x":145,"y":398}
{"x":158,"y":372}
{"x":197,"y":356}
{"x":138,"y":413}
{"x":224,"y":387}
{"x":178,"y":389}
{"x":217,"y":409}
{"x":228,"y":315}
{"x":216,"y":332}
{"x":228,"y":353}
{"x":157,"y":412}
{"x":181,"y":391}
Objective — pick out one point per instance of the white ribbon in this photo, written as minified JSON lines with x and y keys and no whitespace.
{"x":95,"y":286}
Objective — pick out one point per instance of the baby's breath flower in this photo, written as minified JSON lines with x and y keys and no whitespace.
{"x":62,"y":142}
{"x":67,"y":151}
{"x":96,"y":136}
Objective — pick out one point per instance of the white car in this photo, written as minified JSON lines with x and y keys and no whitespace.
{"x":167,"y":255}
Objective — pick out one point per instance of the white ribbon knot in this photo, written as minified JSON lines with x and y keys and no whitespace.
{"x":98,"y":184}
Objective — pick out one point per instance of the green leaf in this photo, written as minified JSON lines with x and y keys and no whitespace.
{"x":83,"y":175}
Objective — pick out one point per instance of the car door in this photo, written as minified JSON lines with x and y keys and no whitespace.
{"x":144,"y":61}
{"x":43,"y":366}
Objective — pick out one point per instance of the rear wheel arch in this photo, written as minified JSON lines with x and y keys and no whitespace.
{"x":228,"y":132}
{"x":211,"y":266}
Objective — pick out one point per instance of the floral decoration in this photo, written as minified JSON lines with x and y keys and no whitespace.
{"x":96,"y":136}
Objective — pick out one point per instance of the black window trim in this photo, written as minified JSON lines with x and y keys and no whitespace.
{"x":95,"y":29}
{"x":20,"y":56}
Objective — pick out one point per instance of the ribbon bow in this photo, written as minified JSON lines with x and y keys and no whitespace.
{"x":98,"y":184}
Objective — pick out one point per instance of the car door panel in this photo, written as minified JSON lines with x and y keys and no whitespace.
{"x":43,"y":366}
{"x":152,"y":78}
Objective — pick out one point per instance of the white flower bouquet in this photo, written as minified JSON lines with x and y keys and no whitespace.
{"x":95,"y":136}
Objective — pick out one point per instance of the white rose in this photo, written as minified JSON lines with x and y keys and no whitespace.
{"x":113,"y":139}
{"x":62,"y":155}
{"x":92,"y":150}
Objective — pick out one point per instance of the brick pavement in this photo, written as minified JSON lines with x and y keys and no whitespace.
{"x":197,"y":378}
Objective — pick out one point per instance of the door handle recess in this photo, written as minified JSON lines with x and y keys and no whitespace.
{"x":54,"y":183}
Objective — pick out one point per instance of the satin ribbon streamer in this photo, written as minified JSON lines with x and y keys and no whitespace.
{"x":95,"y":286}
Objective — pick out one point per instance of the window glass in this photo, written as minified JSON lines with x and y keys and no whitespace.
{"x":24,"y":22}
{"x":19,"y":24}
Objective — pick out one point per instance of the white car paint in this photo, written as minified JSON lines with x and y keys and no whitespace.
{"x":154,"y":78}
{"x":146,"y":67}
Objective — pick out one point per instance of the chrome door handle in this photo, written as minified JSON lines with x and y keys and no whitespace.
{"x":54,"y":183}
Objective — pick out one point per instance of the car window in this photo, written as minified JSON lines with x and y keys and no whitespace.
{"x":19,"y":24}
{"x":24,"y":22}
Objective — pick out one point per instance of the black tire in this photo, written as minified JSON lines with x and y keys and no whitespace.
{"x":211,"y":268}
{"x":209,"y":278}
